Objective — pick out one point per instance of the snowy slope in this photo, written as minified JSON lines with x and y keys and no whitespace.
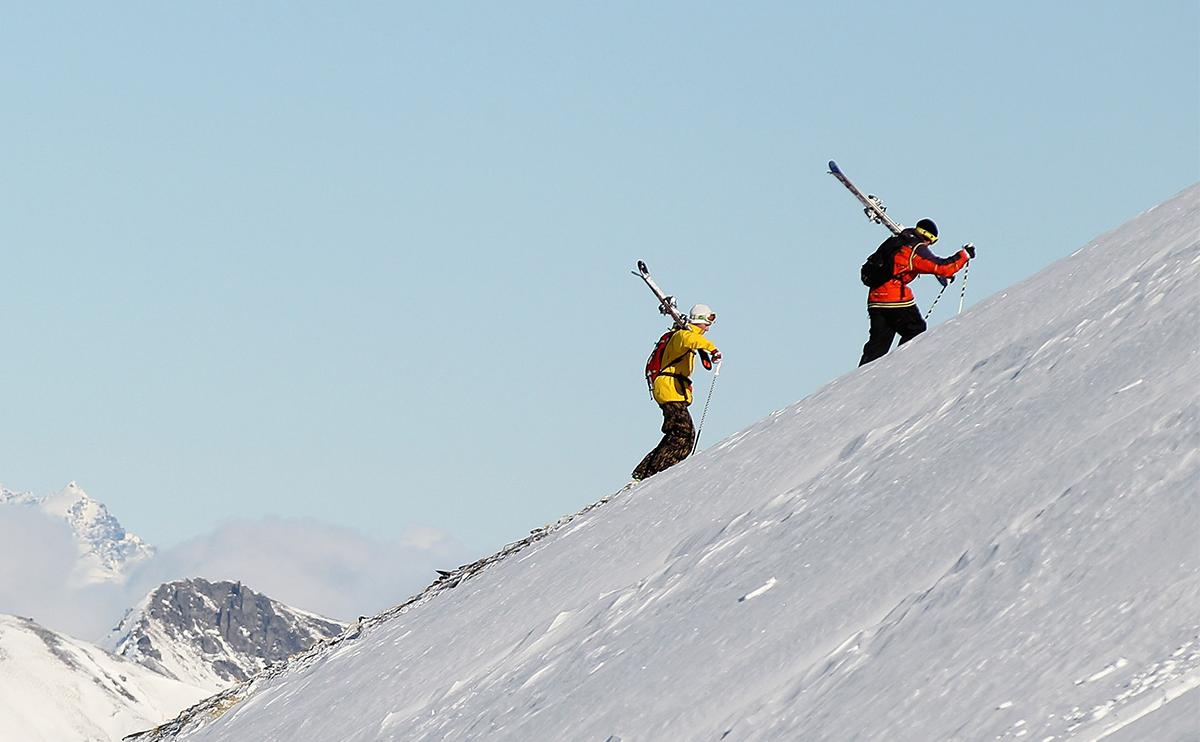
{"x":107,"y":552}
{"x":55,"y":688}
{"x":989,"y":534}
{"x":213,"y":634}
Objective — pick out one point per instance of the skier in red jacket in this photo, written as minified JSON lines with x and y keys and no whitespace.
{"x":891,"y":305}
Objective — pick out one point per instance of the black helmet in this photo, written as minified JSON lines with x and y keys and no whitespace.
{"x":928,"y":230}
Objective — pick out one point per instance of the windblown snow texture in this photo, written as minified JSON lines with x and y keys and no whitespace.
{"x":988,"y":534}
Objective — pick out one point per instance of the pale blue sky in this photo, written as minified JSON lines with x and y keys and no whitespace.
{"x":369,"y":263}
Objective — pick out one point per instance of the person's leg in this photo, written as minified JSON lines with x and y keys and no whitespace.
{"x":879,"y":341}
{"x":680,"y":435}
{"x":908,"y":322}
{"x":678,"y":438}
{"x":643,"y":469}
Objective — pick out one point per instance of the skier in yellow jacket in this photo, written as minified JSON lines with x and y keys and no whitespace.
{"x":671,"y":387}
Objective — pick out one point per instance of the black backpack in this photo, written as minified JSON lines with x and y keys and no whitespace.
{"x":879,"y":266}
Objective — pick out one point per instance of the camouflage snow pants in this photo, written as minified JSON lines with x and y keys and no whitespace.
{"x":679,"y":436}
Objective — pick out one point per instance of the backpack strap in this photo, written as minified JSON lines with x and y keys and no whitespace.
{"x":672,"y":363}
{"x":681,"y":377}
{"x":687,"y":380}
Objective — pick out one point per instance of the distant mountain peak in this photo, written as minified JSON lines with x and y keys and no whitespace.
{"x":106,"y":550}
{"x":214,"y":634}
{"x":8,"y":497}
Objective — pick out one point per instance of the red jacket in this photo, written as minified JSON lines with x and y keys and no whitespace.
{"x":909,"y":263}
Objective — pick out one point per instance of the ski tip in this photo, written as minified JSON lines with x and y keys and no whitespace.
{"x":833,"y":168}
{"x":642,"y":266}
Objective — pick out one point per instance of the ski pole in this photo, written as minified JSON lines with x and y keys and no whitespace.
{"x":962,"y":296}
{"x":935,"y":301}
{"x":704,"y":414}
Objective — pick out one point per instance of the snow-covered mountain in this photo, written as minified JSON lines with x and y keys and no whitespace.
{"x":990,"y":533}
{"x":214,"y":634}
{"x":107,"y":552}
{"x":53,"y":687}
{"x":184,"y":641}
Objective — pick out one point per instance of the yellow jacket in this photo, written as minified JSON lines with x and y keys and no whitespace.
{"x":679,"y":350}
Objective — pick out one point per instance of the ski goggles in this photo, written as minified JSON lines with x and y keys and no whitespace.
{"x":929,"y":237}
{"x":710,"y":318}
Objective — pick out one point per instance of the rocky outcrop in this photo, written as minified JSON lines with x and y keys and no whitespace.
{"x":215,"y":633}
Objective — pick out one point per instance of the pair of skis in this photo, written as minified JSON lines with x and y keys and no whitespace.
{"x":668,"y":306}
{"x":872,"y":206}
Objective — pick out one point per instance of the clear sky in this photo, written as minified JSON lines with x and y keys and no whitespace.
{"x":369,"y":263}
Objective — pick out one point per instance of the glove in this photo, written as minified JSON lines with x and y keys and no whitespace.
{"x":716,"y":356}
{"x":970,"y":248}
{"x":945,"y":280}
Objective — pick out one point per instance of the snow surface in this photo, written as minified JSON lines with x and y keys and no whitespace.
{"x":988,"y":534}
{"x":55,"y":688}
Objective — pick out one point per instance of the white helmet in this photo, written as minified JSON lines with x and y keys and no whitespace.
{"x":701,"y":314}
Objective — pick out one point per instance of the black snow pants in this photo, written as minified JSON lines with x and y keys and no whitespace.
{"x":885,"y":325}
